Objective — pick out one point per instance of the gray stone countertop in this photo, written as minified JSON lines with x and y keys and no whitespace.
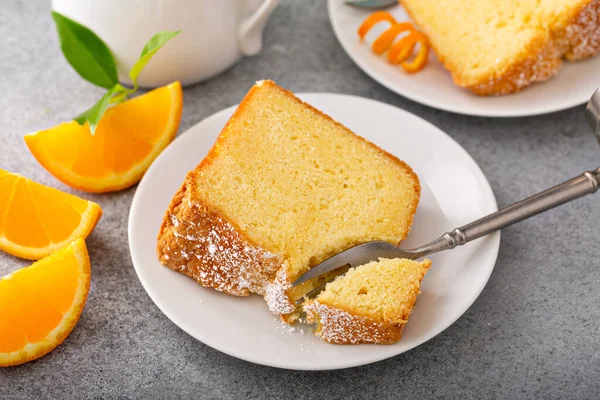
{"x":533,"y":333}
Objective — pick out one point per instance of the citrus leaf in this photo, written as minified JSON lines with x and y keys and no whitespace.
{"x":86,"y":52}
{"x":95,"y":112}
{"x":120,"y":93}
{"x":154,"y":44}
{"x":119,"y":98}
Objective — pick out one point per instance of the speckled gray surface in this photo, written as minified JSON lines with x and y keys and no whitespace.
{"x":533,"y":333}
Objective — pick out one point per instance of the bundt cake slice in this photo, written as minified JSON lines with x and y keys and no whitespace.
{"x":283,"y":188}
{"x":496,"y":47}
{"x":369,"y":304}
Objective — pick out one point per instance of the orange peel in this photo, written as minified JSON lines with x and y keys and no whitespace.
{"x":422,"y":55}
{"x":374,"y":19}
{"x":385,"y":40}
{"x":400,"y":51}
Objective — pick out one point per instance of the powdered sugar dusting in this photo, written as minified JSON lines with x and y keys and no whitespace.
{"x":341,"y":327}
{"x":212,"y":249}
{"x":286,"y":329}
{"x":303,"y":349}
{"x":276,"y":295}
{"x":583,"y":34}
{"x":206,"y":247}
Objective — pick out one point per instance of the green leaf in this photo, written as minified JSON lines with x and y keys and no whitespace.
{"x":119,"y":98}
{"x":86,"y":52}
{"x":120,"y":93}
{"x":95,"y":113}
{"x":154,"y":44}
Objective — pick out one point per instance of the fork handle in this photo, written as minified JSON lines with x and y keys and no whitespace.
{"x":586,"y":183}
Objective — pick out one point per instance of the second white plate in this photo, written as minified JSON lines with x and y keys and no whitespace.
{"x":433,"y":86}
{"x":455,"y":192}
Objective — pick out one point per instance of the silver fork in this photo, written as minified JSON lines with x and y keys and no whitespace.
{"x":586,"y":183}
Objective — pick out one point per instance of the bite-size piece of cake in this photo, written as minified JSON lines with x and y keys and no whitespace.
{"x":369,"y":304}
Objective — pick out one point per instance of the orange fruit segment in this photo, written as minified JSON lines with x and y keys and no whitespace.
{"x":36,"y":220}
{"x":128,"y":138}
{"x":40,"y":304}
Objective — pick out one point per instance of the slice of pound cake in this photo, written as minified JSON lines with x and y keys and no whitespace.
{"x":501,"y":46}
{"x":283,"y":188}
{"x":369,"y":304}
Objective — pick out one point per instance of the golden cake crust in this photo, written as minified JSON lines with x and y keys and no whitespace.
{"x":240,"y":267}
{"x":338,"y":326}
{"x":577,"y":39}
{"x":543,"y":60}
{"x":200,"y":242}
{"x":583,"y":33}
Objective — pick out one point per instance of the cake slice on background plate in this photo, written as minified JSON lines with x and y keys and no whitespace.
{"x":369,"y":304}
{"x":283,"y":188}
{"x":500,"y":46}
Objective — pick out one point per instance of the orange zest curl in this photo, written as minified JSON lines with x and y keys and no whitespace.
{"x":373,"y":19}
{"x":400,"y":51}
{"x":385,"y":40}
{"x":422,"y":55}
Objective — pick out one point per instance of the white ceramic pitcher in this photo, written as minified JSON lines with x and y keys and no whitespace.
{"x":215,"y":33}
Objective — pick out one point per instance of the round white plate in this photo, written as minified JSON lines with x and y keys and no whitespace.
{"x":455,"y":192}
{"x":433,"y":86}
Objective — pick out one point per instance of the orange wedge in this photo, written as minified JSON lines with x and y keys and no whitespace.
{"x":36,"y":220}
{"x":129,"y":137}
{"x":41,"y":304}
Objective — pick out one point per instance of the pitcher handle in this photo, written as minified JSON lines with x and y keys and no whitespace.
{"x":251,"y":29}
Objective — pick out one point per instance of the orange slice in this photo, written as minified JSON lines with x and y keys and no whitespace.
{"x":41,"y":304}
{"x":129,"y":137}
{"x":36,"y":220}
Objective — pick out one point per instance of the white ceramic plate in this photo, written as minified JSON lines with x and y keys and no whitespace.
{"x":455,"y":192}
{"x":433,"y":86}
